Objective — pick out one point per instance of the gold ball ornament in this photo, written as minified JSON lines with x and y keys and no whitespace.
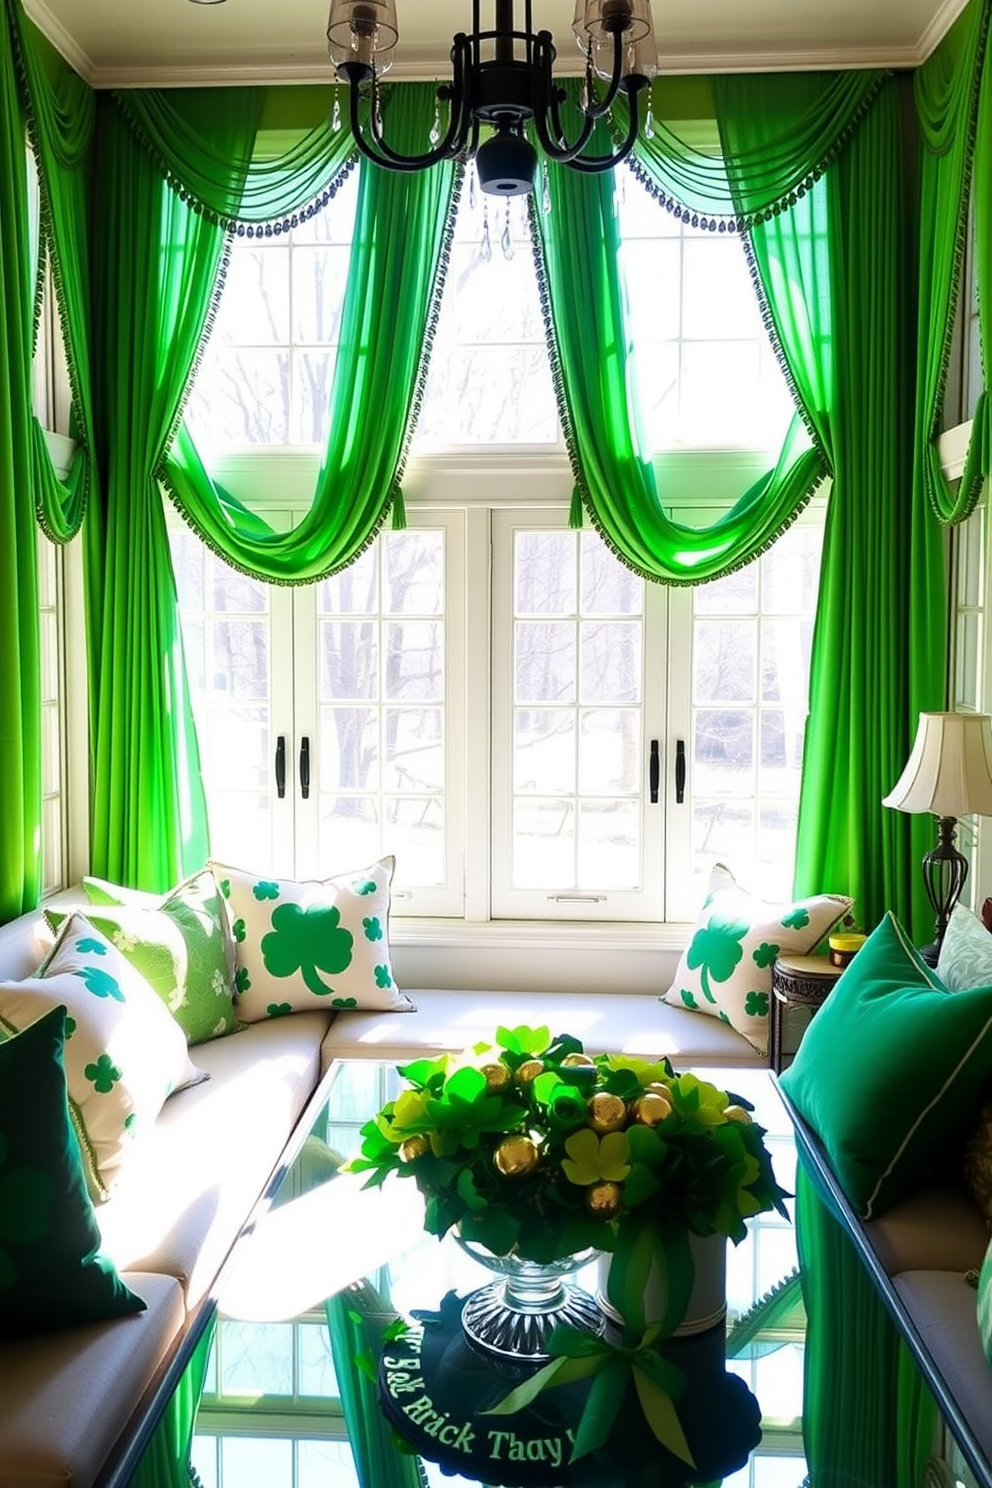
{"x":516,"y":1157}
{"x":498,"y":1076}
{"x":578,"y":1061}
{"x":413,"y":1148}
{"x":651,"y":1108}
{"x":738,"y":1113}
{"x":607,"y":1113}
{"x":603,"y":1199}
{"x":528,"y":1072}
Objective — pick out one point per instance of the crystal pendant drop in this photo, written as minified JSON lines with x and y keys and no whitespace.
{"x":506,"y":238}
{"x":435,"y":134}
{"x":545,"y":192}
{"x":336,"y":114}
{"x":485,"y":247}
{"x":649,"y":120}
{"x":472,"y":179}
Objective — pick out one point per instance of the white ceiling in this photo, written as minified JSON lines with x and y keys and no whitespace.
{"x":145,"y":43}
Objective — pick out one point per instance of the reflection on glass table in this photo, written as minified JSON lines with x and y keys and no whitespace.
{"x":273,"y":1412}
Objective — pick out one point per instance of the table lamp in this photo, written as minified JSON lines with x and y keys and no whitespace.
{"x":949,"y":773}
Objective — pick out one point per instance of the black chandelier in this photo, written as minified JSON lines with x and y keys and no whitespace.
{"x":502,"y":80}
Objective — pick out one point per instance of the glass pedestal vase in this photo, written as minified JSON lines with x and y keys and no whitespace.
{"x":515,"y":1315}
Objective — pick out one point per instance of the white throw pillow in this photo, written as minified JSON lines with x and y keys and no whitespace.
{"x":726,"y":969}
{"x":965,"y":958}
{"x":124,"y":1051}
{"x":315,"y":944}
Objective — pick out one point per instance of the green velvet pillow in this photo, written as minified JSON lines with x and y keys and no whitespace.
{"x":891,"y":1070}
{"x":181,"y":944}
{"x":51,"y":1272}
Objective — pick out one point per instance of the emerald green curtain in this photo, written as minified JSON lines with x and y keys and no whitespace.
{"x":20,"y":659}
{"x":60,"y":111}
{"x":592,"y":361}
{"x":400,"y":249}
{"x":880,"y":633}
{"x":868,"y":1418}
{"x":156,"y":265}
{"x":947,"y":91}
{"x":165,"y":1462}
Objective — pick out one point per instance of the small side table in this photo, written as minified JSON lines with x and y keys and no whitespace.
{"x":797,"y":981}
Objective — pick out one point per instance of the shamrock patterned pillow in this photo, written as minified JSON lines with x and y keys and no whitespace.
{"x":314,"y":944}
{"x":124,"y":1051}
{"x":181,"y":944}
{"x":726,"y":969}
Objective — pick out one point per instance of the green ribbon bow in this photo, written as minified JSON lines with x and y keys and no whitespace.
{"x":577,"y":1355}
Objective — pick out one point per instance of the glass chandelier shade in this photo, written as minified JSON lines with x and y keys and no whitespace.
{"x":502,"y":80}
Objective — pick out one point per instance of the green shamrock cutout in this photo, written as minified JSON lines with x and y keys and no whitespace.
{"x":756,"y":1004}
{"x":103,"y":1075}
{"x":91,"y":946}
{"x":688,"y":998}
{"x":307,"y":941}
{"x":344,"y":1002}
{"x":364,"y":886}
{"x":242,"y":981}
{"x":99,"y":982}
{"x":373,"y":928}
{"x":796,"y":919}
{"x":717,"y":951}
{"x":764,"y":954}
{"x":278,"y":1009}
{"x":238,"y":930}
{"x":26,"y":1195}
{"x":382,"y":977}
{"x":591,"y":1158}
{"x":266,"y":889}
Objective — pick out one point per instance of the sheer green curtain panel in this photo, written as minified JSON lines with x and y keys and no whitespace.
{"x":398,"y":259}
{"x":61,"y":111}
{"x":593,"y":362}
{"x":20,"y":658}
{"x":291,"y":177}
{"x":951,"y":93}
{"x":156,"y":270}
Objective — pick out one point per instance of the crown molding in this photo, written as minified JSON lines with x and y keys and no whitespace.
{"x":64,"y":43}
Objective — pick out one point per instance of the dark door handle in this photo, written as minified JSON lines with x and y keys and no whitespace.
{"x":305,"y":768}
{"x":281,"y":766}
{"x":679,"y":771}
{"x":654,"y":772}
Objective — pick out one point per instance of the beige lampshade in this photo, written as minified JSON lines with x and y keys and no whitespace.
{"x":950,"y":769}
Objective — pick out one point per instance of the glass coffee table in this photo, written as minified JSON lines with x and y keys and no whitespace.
{"x":284,"y":1399}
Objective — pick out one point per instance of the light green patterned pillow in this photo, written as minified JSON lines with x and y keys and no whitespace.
{"x":726,"y":969}
{"x":181,"y":944}
{"x":316,"y":944}
{"x":985,"y":1303}
{"x":124,"y":1051}
{"x":965,"y":958}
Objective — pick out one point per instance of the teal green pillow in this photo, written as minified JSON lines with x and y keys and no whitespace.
{"x":985,"y":1303}
{"x":180,"y":944}
{"x":891,"y":1070}
{"x":51,"y":1272}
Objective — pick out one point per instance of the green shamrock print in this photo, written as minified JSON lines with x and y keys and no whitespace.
{"x":70,"y":1026}
{"x":344,"y":1002}
{"x":382,"y":977}
{"x":100,"y":982}
{"x":225,"y":887}
{"x":764,"y":954}
{"x":372,"y":927}
{"x":278,"y":1009}
{"x":26,"y":1195}
{"x":364,"y":886}
{"x":756,"y":1004}
{"x":242,"y":981}
{"x":266,"y":889}
{"x":103,"y":1075}
{"x":688,"y":998}
{"x":130,"y":1123}
{"x":796,"y":919}
{"x":717,"y":950}
{"x":90,"y":946}
{"x":307,"y":941}
{"x":238,"y":930}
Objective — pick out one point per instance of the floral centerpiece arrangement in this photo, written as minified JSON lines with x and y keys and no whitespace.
{"x":533,"y":1148}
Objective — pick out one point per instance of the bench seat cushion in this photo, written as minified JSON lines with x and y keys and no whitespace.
{"x":66,"y":1397}
{"x":616,"y":1022}
{"x":944,"y":1309}
{"x":186,"y":1192}
{"x":937,"y":1228}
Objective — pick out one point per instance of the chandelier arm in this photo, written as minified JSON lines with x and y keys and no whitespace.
{"x":553,"y":139}
{"x":594,"y":110}
{"x":380,"y":153}
{"x":591,"y":164}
